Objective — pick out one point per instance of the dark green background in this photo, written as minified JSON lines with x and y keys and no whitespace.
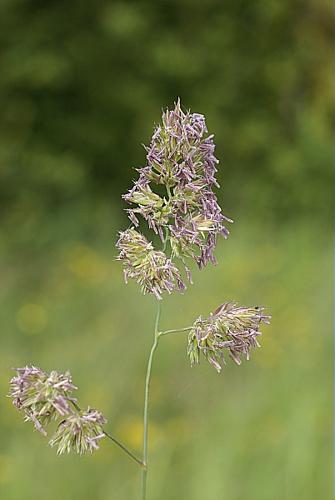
{"x":81,"y":85}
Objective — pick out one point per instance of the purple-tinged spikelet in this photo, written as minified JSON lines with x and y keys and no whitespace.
{"x":41,"y":396}
{"x":151,"y":269}
{"x":79,"y":432}
{"x":229,"y":329}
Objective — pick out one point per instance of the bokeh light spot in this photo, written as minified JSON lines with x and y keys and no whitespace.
{"x":32,"y":318}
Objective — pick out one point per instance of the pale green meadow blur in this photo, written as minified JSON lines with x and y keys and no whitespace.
{"x":80,"y":89}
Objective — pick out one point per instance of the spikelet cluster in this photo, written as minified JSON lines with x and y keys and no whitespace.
{"x":79,"y":432}
{"x":230,"y":329}
{"x":150,"y":268}
{"x":174,"y":194}
{"x":45,"y":397}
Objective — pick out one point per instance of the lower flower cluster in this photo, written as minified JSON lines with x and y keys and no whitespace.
{"x":44,"y":397}
{"x":80,"y":432}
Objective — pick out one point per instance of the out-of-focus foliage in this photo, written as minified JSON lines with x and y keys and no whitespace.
{"x":82,"y":82}
{"x":259,"y":431}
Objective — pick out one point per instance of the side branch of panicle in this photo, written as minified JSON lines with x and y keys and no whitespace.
{"x":229,"y":329}
{"x":44,"y":397}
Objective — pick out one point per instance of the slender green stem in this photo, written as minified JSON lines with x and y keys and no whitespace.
{"x":166,"y":239}
{"x":147,"y":383}
{"x":76,"y":406}
{"x":128,"y":452}
{"x":146,"y":405}
{"x":177,"y":330}
{"x":169,"y":192}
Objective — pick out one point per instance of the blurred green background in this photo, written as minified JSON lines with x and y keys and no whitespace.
{"x":81,"y":84}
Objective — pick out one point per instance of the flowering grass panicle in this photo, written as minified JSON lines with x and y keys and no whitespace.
{"x":42,"y":396}
{"x":151,"y":269}
{"x":229,"y":329}
{"x":79,"y":432}
{"x":174,"y":194}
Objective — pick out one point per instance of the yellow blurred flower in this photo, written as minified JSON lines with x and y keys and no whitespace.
{"x":130,"y":431}
{"x":32,"y":318}
{"x":85,"y":264}
{"x":5,"y":469}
